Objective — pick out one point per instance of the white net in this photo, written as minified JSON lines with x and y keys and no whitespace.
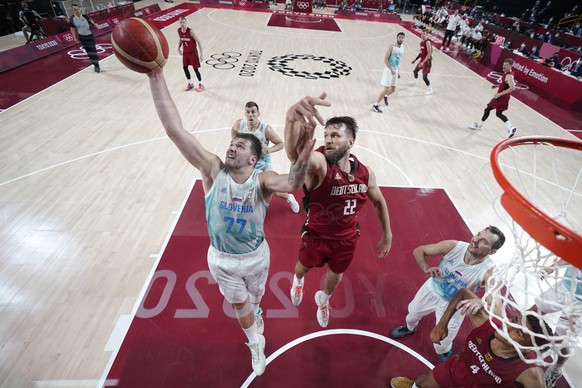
{"x":535,"y":282}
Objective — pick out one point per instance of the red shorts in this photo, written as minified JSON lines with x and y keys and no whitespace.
{"x":501,"y":103}
{"x":425,"y":68}
{"x":337,"y":254}
{"x":191,"y":59}
{"x":453,"y":373}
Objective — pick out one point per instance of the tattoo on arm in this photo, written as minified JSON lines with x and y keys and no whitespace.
{"x":298,"y":172}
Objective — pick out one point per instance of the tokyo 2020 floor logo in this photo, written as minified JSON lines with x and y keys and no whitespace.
{"x":287,"y":65}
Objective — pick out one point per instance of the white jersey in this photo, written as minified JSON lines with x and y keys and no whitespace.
{"x":264,"y":161}
{"x":458,"y":274}
{"x":236,"y":213}
{"x":396,"y":56}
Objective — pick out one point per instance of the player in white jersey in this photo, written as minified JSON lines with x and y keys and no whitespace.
{"x":553,"y":300}
{"x":266,"y":134}
{"x":236,"y":197}
{"x":464,"y":265}
{"x":390,"y":75}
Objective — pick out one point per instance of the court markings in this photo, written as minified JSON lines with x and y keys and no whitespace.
{"x":325,"y":333}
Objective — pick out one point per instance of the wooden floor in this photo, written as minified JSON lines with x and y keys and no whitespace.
{"x":90,"y":185}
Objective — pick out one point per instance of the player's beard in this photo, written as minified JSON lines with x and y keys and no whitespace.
{"x":337,"y":155}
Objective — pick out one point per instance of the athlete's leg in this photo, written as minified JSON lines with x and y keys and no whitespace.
{"x":187,"y":73}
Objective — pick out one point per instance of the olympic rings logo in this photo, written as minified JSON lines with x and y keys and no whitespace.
{"x":242,"y":3}
{"x":497,"y":76}
{"x":80,"y":53}
{"x":302,"y":4}
{"x":68,"y":37}
{"x":224,"y":61}
{"x":287,"y":65}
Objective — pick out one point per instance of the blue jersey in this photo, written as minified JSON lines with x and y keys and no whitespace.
{"x":236,"y":213}
{"x":458,"y":274}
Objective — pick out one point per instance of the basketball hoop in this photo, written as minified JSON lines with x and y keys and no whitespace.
{"x":541,"y":203}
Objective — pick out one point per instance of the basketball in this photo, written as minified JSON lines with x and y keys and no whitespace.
{"x":139,"y":45}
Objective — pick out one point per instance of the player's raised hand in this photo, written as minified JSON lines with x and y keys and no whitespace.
{"x":301,"y":118}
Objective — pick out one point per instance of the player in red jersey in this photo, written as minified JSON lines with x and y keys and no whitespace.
{"x":192,"y":53}
{"x":336,"y":187}
{"x":425,"y":63}
{"x":489,"y":360}
{"x":500,"y":101}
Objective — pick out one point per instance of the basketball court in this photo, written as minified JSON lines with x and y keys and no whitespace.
{"x":104,"y":280}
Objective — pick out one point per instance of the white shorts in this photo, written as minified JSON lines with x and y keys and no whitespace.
{"x":388,"y":79}
{"x":240,"y":276}
{"x":553,"y":300}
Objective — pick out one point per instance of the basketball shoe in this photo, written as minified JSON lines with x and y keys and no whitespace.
{"x":189,"y":87}
{"x":401,"y":331}
{"x":259,"y":321}
{"x":552,"y":376}
{"x":376,"y":108}
{"x":258,"y":355}
{"x":293,"y":203}
{"x":511,"y":132}
{"x":199,"y":88}
{"x":475,"y":126}
{"x":414,"y":82}
{"x":322,"y":310}
{"x":445,"y":356}
{"x":428,"y":91}
{"x":296,"y":294}
{"x":401,"y":382}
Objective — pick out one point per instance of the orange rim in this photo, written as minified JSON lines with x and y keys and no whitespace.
{"x":558,"y":238}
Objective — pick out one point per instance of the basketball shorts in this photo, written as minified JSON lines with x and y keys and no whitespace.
{"x":426,"y":68}
{"x":240,"y":276}
{"x":191,"y":59}
{"x":337,"y":254}
{"x":553,"y":300}
{"x":501,"y":103}
{"x":388,"y":79}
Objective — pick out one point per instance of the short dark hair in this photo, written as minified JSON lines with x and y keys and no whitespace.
{"x":256,"y":146}
{"x":252,"y":104}
{"x":74,"y":5}
{"x":500,"y":236}
{"x":348,"y":122}
{"x":400,"y":33}
{"x":541,"y":328}
{"x":509,"y":60}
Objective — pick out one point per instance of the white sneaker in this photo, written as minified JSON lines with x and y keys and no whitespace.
{"x":293,"y":203}
{"x":428,"y":91}
{"x":475,"y":126}
{"x":511,"y":132}
{"x":551,"y":377}
{"x":296,"y":294}
{"x":258,"y":355}
{"x":322,"y":310}
{"x":259,"y":321}
{"x":414,"y":82}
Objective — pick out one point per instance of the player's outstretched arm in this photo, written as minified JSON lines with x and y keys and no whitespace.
{"x":300,"y":118}
{"x":439,"y":249}
{"x":287,"y":183}
{"x":208,"y":163}
{"x":375,"y":195}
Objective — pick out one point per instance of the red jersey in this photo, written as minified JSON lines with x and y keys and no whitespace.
{"x":504,"y":85}
{"x":501,"y":103}
{"x":423,"y":49}
{"x":477,"y":366}
{"x":332,"y":207}
{"x":188,"y":43}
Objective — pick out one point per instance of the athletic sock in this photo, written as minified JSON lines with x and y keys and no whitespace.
{"x":324,"y":298}
{"x":297,"y":281}
{"x":252,"y":334}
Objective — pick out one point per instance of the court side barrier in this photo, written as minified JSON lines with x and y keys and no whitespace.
{"x":24,"y":54}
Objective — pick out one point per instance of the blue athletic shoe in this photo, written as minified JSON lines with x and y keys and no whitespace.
{"x":401,"y":331}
